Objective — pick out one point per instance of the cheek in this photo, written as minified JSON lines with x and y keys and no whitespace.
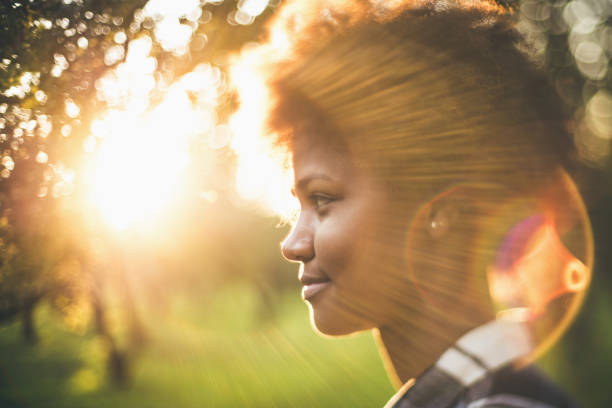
{"x":348,"y":247}
{"x":335,"y":246}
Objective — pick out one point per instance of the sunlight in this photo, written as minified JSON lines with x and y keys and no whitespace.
{"x":140,"y":152}
{"x":263,"y":174}
{"x":135,"y":170}
{"x":132,"y":81}
{"x":171,"y":33}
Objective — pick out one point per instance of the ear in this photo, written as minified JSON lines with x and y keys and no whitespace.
{"x":442,"y":214}
{"x":440,"y":251}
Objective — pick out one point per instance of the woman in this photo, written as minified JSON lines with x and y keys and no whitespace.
{"x":429,"y":159}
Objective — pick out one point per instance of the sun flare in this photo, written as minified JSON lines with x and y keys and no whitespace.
{"x":134,"y":173}
{"x":138,"y":153}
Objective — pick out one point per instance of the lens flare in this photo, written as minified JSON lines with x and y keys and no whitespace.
{"x":138,"y":153}
{"x":533,"y":267}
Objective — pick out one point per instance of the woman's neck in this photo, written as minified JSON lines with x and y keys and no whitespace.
{"x":410,"y":347}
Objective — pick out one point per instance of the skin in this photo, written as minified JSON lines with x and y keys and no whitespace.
{"x":352,"y":265}
{"x":341,"y":208}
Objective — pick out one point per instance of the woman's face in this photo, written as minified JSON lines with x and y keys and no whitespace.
{"x":348,"y":258}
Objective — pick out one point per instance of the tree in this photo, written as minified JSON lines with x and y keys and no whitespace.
{"x":53,"y":56}
{"x":56,"y":55}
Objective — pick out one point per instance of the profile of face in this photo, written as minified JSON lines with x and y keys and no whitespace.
{"x":348,"y":260}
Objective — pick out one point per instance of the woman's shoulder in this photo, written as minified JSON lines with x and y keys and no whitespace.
{"x":507,"y":401}
{"x":525,"y":388}
{"x":506,"y":388}
{"x":479,"y":371}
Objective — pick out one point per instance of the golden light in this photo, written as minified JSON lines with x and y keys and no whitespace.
{"x":248,"y":10}
{"x":72,"y":109}
{"x":139,"y":153}
{"x":136,"y":155}
{"x":41,"y":157}
{"x":129,"y":85}
{"x":169,"y":31}
{"x":263,"y":174}
{"x":138,"y":164}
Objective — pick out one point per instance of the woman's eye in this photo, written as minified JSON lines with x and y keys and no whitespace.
{"x":320,"y":200}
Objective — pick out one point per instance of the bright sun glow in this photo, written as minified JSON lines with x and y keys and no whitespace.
{"x":263,"y":175}
{"x":136,"y":169}
{"x":169,"y":31}
{"x":139,"y":153}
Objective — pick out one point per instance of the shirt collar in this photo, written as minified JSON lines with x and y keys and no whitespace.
{"x":475,"y":355}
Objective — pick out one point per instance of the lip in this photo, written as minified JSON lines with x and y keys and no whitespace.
{"x":309,"y":291}
{"x":313,"y":283}
{"x":311,"y":278}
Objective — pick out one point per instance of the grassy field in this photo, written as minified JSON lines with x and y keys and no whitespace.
{"x":212,"y":356}
{"x":218,"y":352}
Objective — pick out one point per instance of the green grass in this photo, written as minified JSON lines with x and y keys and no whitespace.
{"x":198,"y":354}
{"x":205,"y":351}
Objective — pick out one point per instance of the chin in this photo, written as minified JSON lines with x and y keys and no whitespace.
{"x":335,"y":322}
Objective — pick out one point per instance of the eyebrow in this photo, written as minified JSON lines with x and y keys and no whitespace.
{"x":302,"y":183}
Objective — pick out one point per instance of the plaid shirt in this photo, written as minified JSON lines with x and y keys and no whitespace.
{"x":477,"y":372}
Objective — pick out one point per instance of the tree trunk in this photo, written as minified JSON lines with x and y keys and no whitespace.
{"x":28,"y":329}
{"x":136,"y":331}
{"x":118,"y":367}
{"x":117,"y":362}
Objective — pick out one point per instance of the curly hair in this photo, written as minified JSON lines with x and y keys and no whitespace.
{"x":427,"y":95}
{"x":426,"y":92}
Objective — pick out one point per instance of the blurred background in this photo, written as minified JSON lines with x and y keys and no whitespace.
{"x":139,"y":261}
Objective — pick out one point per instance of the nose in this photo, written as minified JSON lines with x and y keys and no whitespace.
{"x":299,"y":244}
